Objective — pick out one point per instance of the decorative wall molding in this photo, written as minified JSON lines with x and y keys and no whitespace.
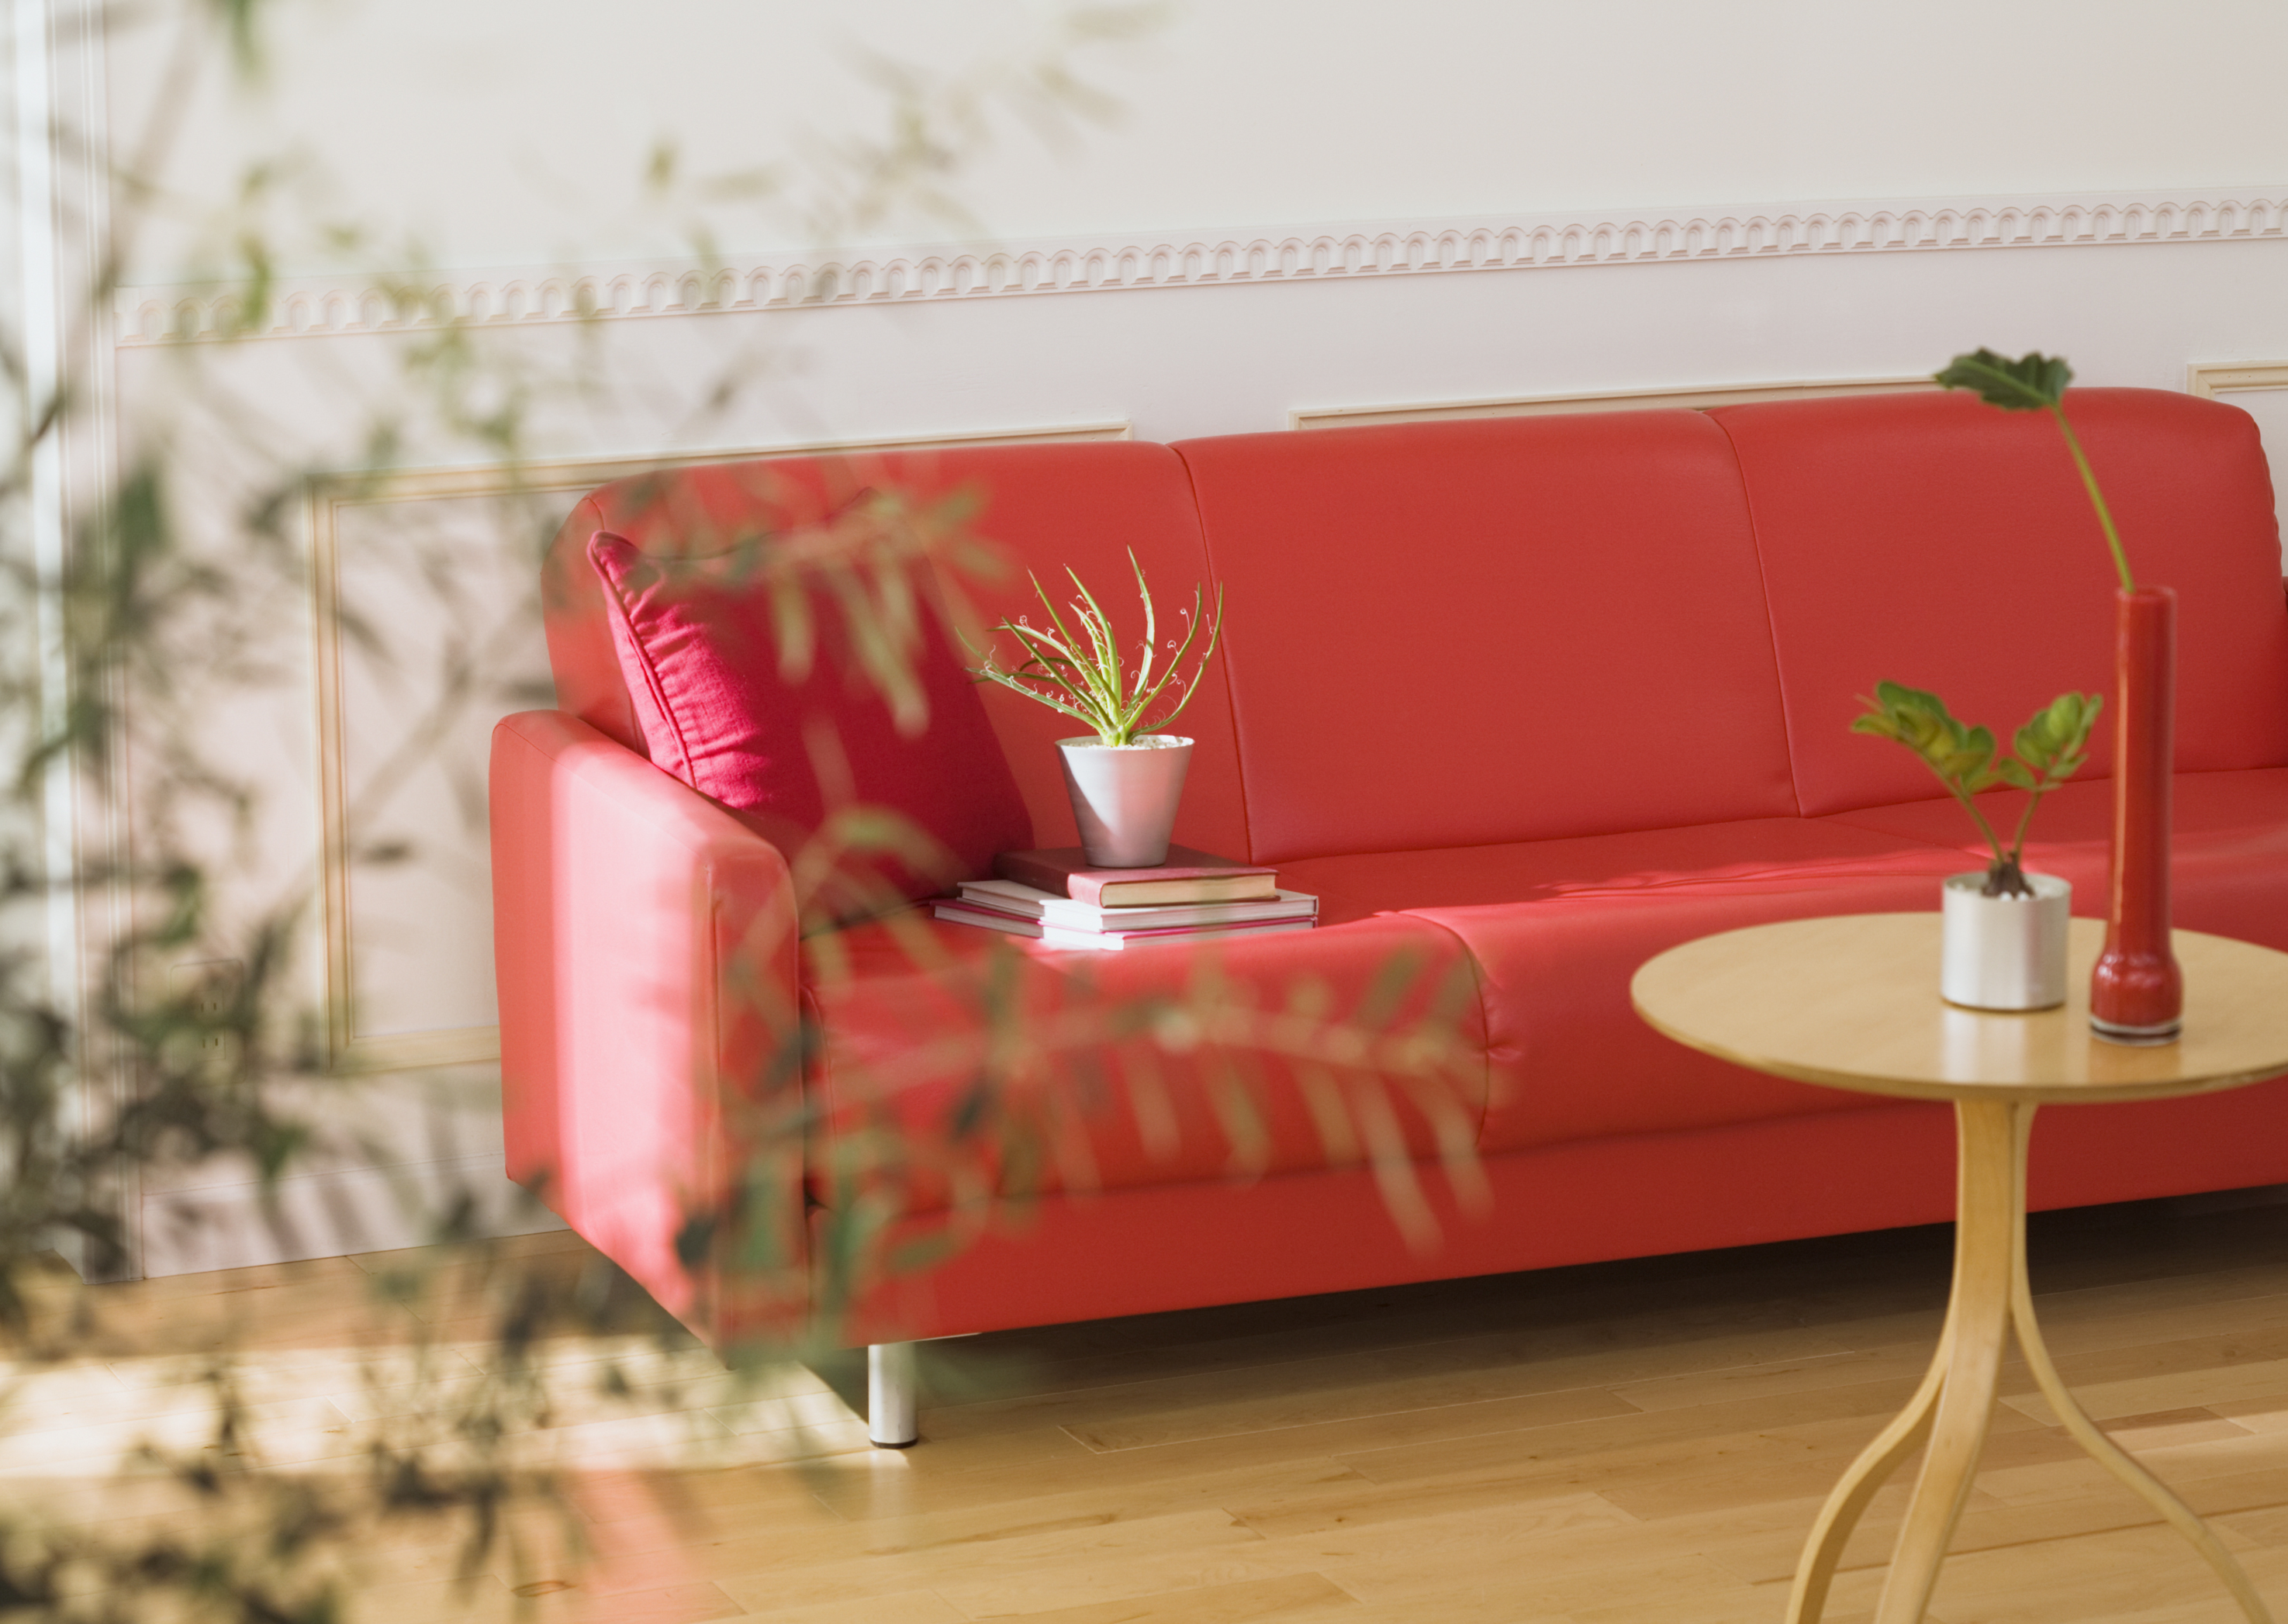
{"x":511,"y":297}
{"x":2210,"y":379}
{"x":1697,"y":397}
{"x":349,"y":1050}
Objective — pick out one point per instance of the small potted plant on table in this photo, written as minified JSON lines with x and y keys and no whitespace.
{"x":1126,"y":780}
{"x":2004,"y":931}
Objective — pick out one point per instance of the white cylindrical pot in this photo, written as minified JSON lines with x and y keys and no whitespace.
{"x":2005,"y":953}
{"x":1125,"y":796}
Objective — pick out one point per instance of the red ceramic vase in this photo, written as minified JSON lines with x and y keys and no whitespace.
{"x":2137,"y":993}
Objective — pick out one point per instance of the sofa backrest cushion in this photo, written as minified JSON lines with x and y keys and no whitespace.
{"x":721,"y":710}
{"x":1466,"y":633}
{"x":1933,"y":540}
{"x":1037,"y":507}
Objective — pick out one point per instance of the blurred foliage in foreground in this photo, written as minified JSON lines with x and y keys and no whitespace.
{"x":435,"y":1415}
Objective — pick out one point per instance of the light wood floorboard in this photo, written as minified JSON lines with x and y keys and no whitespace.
{"x":1636,"y":1443}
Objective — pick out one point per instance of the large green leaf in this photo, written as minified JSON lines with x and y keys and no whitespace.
{"x":2034,"y":382}
{"x":1961,"y":756}
{"x":2055,"y":742}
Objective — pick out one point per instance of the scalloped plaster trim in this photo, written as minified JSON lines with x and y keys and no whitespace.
{"x":320,"y":307}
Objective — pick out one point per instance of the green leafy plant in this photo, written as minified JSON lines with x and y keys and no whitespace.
{"x":2048,"y":750}
{"x":2035,"y":382}
{"x":1083,"y":674}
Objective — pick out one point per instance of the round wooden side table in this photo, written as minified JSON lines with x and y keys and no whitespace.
{"x":1852,"y":1001}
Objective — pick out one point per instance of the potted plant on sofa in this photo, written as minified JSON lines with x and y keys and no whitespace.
{"x":2005,"y":931}
{"x":1126,"y":782}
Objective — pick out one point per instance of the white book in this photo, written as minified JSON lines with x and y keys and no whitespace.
{"x":1108,"y":941}
{"x":1069,"y":914}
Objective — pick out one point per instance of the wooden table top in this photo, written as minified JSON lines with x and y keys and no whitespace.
{"x":1852,"y":1001}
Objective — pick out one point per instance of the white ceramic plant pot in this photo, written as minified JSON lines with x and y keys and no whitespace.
{"x":1125,"y":796}
{"x":2005,"y":953}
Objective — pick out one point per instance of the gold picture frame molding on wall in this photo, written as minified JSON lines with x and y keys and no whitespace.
{"x":349,"y":1050}
{"x":1697,"y":397}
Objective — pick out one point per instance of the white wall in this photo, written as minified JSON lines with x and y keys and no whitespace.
{"x":509,"y":139}
{"x":517,"y":131}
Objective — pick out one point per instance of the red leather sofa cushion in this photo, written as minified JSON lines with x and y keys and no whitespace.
{"x":701,"y":658}
{"x":1932,"y":539}
{"x":1558,"y":927}
{"x":2228,"y":862}
{"x":899,"y":1008}
{"x":1412,"y":610}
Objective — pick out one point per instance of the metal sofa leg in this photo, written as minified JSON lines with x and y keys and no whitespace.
{"x":890,"y":1382}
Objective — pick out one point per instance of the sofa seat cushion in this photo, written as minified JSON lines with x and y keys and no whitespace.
{"x":1176,"y":1064}
{"x":2228,"y":871}
{"x":1558,"y":927}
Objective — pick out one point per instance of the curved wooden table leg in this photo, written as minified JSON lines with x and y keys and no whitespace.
{"x":2116,"y":1459}
{"x":1989,"y":1206}
{"x":1841,"y":1515}
{"x":1991,"y":1297}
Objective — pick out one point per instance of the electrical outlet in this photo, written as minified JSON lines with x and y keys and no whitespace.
{"x":211,"y":986}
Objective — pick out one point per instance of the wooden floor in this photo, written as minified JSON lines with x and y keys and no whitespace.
{"x":1639,"y":1443}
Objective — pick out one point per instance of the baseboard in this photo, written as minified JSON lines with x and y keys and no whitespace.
{"x":329,"y":1215}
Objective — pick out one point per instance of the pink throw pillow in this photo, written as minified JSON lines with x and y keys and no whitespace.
{"x":700,"y":653}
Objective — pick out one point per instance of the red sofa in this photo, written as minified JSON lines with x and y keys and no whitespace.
{"x":1523,"y":700}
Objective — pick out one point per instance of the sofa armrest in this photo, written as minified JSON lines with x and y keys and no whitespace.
{"x":646,"y":949}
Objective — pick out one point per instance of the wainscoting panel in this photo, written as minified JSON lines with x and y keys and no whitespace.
{"x":436,"y":634}
{"x":428,"y":631}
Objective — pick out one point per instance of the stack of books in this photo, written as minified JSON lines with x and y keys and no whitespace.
{"x":1057,"y":897}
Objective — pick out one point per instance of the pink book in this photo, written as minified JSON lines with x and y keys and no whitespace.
{"x":1187,"y":876}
